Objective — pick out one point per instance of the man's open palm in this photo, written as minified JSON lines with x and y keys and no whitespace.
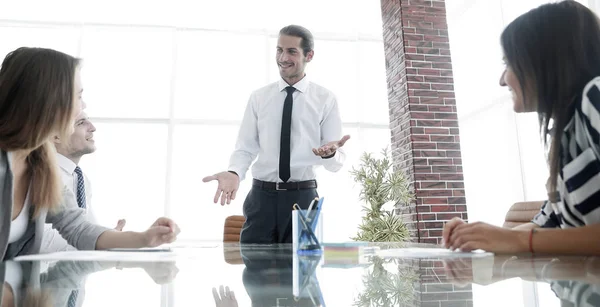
{"x":228,"y":186}
{"x":331,"y":147}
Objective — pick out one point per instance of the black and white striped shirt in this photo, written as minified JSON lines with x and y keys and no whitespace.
{"x":578,"y":182}
{"x":577,"y":293}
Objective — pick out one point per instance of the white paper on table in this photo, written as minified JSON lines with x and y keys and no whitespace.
{"x":419,"y":252}
{"x":137,"y":256}
{"x":193,"y":245}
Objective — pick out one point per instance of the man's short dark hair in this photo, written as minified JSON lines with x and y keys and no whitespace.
{"x":307,"y":43}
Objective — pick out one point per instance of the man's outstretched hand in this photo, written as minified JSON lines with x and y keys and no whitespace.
{"x":330,"y":148}
{"x":229,"y":183}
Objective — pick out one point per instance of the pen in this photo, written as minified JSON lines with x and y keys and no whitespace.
{"x":312,"y":210}
{"x":312,"y":203}
{"x":308,"y":229}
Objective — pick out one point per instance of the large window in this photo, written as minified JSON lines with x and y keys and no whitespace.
{"x":166,"y":85}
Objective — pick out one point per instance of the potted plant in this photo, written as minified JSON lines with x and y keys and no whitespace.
{"x":387,"y":283}
{"x":383,"y":190}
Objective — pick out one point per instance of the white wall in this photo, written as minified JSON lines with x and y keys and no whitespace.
{"x":503,"y":157}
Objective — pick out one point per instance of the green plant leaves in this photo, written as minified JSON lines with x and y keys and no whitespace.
{"x":380,"y":184}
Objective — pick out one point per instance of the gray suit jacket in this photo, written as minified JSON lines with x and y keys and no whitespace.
{"x":69,"y":220}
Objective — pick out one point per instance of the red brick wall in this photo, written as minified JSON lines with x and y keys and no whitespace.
{"x":423,"y":118}
{"x":425,"y":133}
{"x":434,"y":288}
{"x":437,"y":290}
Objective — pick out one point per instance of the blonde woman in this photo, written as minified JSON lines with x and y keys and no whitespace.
{"x":40,"y":95}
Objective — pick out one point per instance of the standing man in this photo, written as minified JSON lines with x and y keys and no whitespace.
{"x":78,"y":186}
{"x":292,"y":126}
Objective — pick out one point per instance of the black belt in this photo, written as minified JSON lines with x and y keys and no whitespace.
{"x":285,"y":186}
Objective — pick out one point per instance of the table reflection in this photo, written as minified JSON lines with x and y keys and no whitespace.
{"x":62,"y":283}
{"x":250,"y":275}
{"x":275,"y":277}
{"x":574,"y":280}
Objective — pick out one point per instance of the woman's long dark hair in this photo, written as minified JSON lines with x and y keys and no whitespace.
{"x":554,"y":51}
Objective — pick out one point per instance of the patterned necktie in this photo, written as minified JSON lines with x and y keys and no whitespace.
{"x":73,"y":298}
{"x":80,"y":188}
{"x":286,"y":127}
{"x":72,"y":302}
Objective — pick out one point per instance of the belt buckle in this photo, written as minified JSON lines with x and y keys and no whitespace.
{"x":277,"y":187}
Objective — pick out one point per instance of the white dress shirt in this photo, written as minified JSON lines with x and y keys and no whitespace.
{"x":315,"y":122}
{"x":53,"y":241}
{"x":18,"y":226}
{"x":14,"y":278}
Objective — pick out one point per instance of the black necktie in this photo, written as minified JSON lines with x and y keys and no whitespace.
{"x":286,"y":127}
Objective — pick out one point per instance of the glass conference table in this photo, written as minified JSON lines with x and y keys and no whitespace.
{"x":207,"y":274}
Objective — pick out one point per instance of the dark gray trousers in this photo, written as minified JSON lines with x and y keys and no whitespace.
{"x":269,"y":214}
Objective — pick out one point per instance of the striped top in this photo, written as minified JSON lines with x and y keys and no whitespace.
{"x":577,"y":293}
{"x":578,"y":182}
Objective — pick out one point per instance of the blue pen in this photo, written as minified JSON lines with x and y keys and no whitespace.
{"x":310,"y":208}
{"x":306,"y":227}
{"x":313,"y":215}
{"x":313,"y":210}
{"x":308,"y":218}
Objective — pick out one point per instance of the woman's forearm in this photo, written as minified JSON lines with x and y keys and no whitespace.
{"x":7,"y":296}
{"x":584,"y":241}
{"x":120,"y":239}
{"x":526,"y":226}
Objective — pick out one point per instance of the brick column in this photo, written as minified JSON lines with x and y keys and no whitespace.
{"x":436,"y":290}
{"x":425,"y":134}
{"x":423,"y":118}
